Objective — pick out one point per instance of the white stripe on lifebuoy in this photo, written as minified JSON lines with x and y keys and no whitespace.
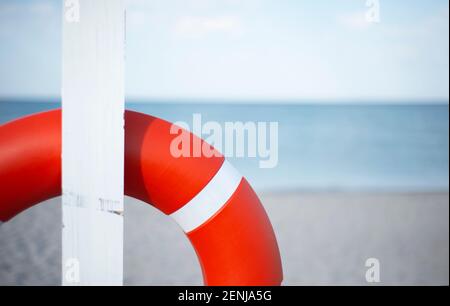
{"x":210,"y":200}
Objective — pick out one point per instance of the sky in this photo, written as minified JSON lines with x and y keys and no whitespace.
{"x":234,"y":50}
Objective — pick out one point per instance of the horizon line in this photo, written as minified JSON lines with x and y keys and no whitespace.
{"x":250,"y":101}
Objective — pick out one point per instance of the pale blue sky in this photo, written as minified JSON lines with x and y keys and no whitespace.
{"x":247,"y":50}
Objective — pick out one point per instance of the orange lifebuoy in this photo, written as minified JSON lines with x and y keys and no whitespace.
{"x":217,"y":208}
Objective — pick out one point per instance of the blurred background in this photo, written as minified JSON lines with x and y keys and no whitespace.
{"x":360,"y":91}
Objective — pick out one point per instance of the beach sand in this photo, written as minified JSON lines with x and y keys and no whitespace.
{"x":324,"y":238}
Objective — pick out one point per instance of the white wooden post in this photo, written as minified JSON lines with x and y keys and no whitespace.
{"x":93,"y":141}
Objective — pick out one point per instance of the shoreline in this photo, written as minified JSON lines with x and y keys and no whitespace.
{"x":348,"y":191}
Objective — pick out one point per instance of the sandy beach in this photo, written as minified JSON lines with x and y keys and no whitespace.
{"x":325,"y":239}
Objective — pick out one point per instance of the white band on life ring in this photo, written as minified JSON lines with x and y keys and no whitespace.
{"x":210,"y":200}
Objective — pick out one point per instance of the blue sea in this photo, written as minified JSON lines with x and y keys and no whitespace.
{"x":326,"y":147}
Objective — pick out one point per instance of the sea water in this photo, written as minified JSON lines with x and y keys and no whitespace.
{"x":377,"y":147}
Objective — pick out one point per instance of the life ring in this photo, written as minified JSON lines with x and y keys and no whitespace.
{"x":216,"y":207}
